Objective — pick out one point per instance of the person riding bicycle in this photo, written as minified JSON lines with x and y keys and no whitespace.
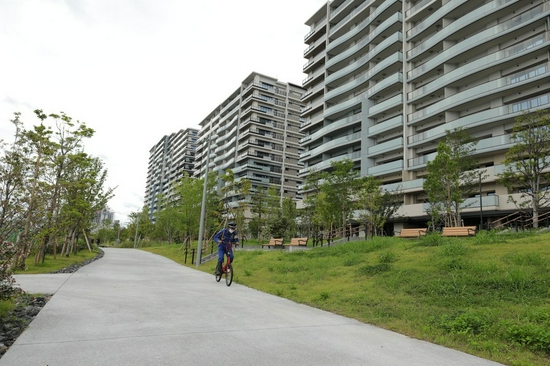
{"x":224,"y":237}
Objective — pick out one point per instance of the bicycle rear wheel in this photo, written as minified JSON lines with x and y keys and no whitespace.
{"x":229,"y":275}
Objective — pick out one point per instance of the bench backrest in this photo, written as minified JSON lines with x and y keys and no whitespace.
{"x":298,"y":241}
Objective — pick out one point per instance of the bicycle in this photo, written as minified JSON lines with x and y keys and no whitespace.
{"x":227,"y":269}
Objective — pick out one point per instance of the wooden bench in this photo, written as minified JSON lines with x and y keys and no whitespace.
{"x":297,"y":242}
{"x":459,"y":231}
{"x":274,"y":242}
{"x":416,"y":232}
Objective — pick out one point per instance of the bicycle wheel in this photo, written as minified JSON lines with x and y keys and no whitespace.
{"x":229,"y":275}
{"x":219,"y":276}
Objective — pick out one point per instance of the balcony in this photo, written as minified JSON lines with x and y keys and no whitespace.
{"x":478,"y":92}
{"x":364,"y":60}
{"x":485,"y":36}
{"x":335,"y":144}
{"x":382,"y":28}
{"x":388,"y":168}
{"x":385,"y":147}
{"x":392,"y":124}
{"x":448,"y":31}
{"x":391,"y":103}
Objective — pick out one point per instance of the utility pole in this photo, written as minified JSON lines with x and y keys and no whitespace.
{"x":203,"y":205}
{"x":135,"y":237}
{"x":480,"y":205}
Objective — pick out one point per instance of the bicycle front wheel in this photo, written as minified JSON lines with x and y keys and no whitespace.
{"x":229,"y":275}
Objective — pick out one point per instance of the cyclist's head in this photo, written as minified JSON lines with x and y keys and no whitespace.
{"x":232,"y":226}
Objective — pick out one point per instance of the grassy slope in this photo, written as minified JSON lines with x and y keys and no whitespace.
{"x":488,"y":295}
{"x":51,"y":265}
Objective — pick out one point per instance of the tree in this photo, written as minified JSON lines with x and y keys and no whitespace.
{"x":527,"y":162}
{"x":14,"y":165}
{"x":234,"y":194}
{"x":338,"y":191}
{"x":378,"y":205}
{"x":450,"y":176}
{"x":259,"y":209}
{"x":188,"y":191}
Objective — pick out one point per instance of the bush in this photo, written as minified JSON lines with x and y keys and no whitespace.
{"x":433,"y":239}
{"x":533,"y":336}
{"x":7,"y":255}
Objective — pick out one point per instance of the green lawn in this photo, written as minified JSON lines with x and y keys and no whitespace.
{"x":51,"y":265}
{"x":488,"y":295}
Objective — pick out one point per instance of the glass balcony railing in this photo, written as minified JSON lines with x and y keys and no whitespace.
{"x":354,"y":12}
{"x":415,"y":8}
{"x":396,"y":57}
{"x":461,"y":23}
{"x":363,"y":60}
{"x":387,"y":168}
{"x":340,"y":142}
{"x":391,"y":124}
{"x":386,"y":105}
{"x":325,"y":164}
{"x":354,"y":49}
{"x":478,"y":65}
{"x":385,"y":147}
{"x":362,"y":25}
{"x":481,"y":38}
{"x":480,"y":91}
{"x":410,"y":185}
{"x":334,"y":126}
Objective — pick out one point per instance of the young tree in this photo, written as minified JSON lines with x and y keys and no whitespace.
{"x":338,"y":191}
{"x":377,"y":204}
{"x":259,"y":208}
{"x":14,"y":167}
{"x":188,"y":191}
{"x":528,"y":161}
{"x":450,"y":177}
{"x":238,"y":188}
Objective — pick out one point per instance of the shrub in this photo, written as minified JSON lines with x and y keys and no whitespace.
{"x":387,"y":257}
{"x":433,"y":239}
{"x":533,"y":336}
{"x":466,"y":323}
{"x":7,"y":255}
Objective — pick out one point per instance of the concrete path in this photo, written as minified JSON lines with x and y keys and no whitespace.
{"x":135,"y":308}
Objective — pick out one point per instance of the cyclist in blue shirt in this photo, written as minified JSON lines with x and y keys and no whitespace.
{"x":222,"y":238}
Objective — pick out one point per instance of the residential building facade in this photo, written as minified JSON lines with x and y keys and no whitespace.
{"x":255,"y":133}
{"x":169,"y":160}
{"x":387,"y":78}
{"x":105,"y":216}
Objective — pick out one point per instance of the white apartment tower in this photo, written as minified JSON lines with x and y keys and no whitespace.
{"x":169,"y":160}
{"x":255,"y":133}
{"x":387,"y":78}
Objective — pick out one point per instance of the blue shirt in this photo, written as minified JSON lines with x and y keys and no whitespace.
{"x":225,"y":237}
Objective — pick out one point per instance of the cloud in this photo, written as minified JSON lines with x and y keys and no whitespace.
{"x":137,"y":70}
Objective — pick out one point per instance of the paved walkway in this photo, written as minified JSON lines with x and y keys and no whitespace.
{"x":135,"y":308}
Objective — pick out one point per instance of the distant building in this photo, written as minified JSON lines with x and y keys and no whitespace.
{"x":106,"y":215}
{"x":169,"y":160}
{"x":255,"y":133}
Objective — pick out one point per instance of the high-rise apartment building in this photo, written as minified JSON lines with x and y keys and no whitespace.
{"x":387,"y":78}
{"x":104,"y":216}
{"x":169,"y":160}
{"x":255,"y":133}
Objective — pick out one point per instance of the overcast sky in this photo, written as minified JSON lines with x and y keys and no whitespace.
{"x":136,"y":70}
